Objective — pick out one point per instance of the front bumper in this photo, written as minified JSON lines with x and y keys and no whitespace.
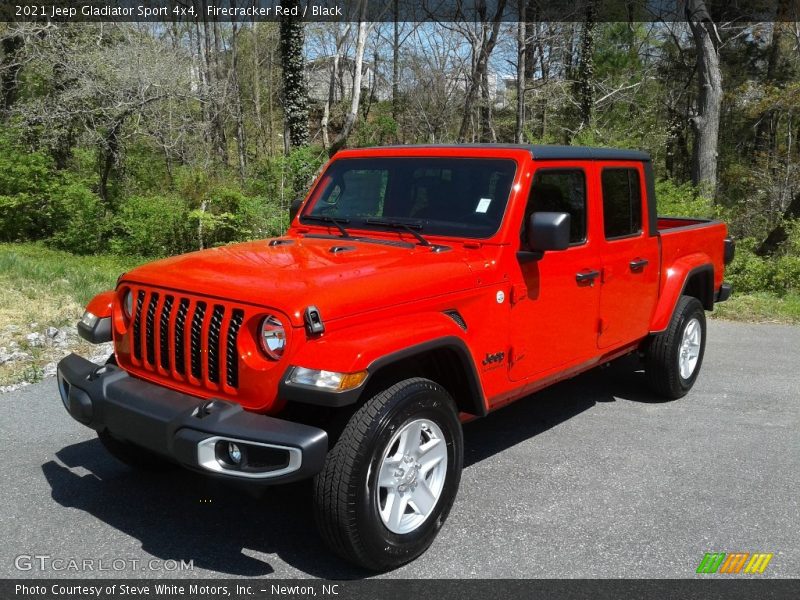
{"x":189,"y":430}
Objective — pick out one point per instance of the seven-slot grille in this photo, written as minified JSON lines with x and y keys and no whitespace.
{"x":189,"y":339}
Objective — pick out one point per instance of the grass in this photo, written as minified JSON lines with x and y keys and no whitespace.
{"x":40,"y":288}
{"x":760,"y":307}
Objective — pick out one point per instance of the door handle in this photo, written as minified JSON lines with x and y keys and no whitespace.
{"x":587,"y":276}
{"x":638,"y":264}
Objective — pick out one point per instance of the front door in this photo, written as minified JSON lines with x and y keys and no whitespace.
{"x":555,"y":304}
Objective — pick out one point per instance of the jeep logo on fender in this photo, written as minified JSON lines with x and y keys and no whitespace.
{"x":497,"y":357}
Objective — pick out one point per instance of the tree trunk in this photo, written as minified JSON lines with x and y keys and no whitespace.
{"x":519,"y":127}
{"x":396,"y":64}
{"x":355,"y":99}
{"x":479,"y":68}
{"x":295,"y":98}
{"x":705,"y":123}
{"x":331,"y":99}
{"x":487,"y":133}
{"x":586,"y":68}
{"x":779,"y":234}
{"x":256,"y":83}
{"x":241,"y":142}
{"x":10,"y":68}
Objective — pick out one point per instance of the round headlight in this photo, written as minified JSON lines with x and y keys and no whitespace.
{"x":272,"y":337}
{"x":127,"y":304}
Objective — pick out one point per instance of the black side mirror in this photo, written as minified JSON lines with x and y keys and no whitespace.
{"x":294,"y":208}
{"x":546,"y":231}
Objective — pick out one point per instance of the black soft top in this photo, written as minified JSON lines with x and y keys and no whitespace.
{"x":547,"y":152}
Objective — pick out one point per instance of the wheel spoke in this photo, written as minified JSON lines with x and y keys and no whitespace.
{"x":409,"y":439}
{"x":397,"y":509}
{"x":422,"y":498}
{"x":386,"y":477}
{"x":431,"y":454}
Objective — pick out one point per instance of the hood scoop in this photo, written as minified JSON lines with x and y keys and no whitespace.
{"x":340,"y":249}
{"x":273,"y":243}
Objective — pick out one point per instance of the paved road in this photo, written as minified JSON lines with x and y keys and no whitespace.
{"x":592,"y":478}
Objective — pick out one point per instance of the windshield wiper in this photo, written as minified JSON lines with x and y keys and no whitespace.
{"x":412,"y":228}
{"x":338,"y":223}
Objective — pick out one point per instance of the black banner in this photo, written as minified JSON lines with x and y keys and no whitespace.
{"x":384,"y":589}
{"x":170,"y":11}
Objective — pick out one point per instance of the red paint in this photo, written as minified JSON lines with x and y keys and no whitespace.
{"x":379,"y":299}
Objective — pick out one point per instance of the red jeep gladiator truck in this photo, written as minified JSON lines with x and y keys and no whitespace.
{"x":418,"y":287}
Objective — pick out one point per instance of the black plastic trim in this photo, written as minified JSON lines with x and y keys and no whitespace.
{"x":730,"y":251}
{"x":99,"y":334}
{"x":477,"y":400}
{"x":723,"y":293}
{"x":171,"y":423}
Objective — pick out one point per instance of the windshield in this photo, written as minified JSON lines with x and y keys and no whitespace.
{"x":463,"y":197}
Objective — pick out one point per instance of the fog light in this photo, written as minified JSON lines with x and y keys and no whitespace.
{"x":234,"y":453}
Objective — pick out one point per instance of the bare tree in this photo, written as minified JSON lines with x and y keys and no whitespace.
{"x":705,"y":123}
{"x":483,"y":44}
{"x":358,"y":72}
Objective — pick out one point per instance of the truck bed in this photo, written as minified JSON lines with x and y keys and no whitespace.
{"x":681,"y":237}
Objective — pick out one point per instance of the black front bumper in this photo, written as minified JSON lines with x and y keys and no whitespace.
{"x":185,"y":428}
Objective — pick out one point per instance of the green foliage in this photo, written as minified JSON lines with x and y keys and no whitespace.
{"x":152,"y":226}
{"x":751,"y":273}
{"x":682,"y":200}
{"x":27,"y":184}
{"x":80,"y":220}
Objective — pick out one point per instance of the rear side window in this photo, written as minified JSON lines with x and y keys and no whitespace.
{"x":560,"y":190}
{"x":622,"y":202}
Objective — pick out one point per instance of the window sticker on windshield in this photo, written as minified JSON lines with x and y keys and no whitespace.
{"x":483,"y":205}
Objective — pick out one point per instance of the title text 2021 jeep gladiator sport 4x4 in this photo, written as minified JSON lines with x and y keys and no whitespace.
{"x":417,"y":287}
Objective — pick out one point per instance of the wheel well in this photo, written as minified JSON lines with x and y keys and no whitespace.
{"x":445,"y":365}
{"x":700,"y":284}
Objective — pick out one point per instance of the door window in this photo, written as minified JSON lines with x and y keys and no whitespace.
{"x":560,"y":190}
{"x":622,"y":203}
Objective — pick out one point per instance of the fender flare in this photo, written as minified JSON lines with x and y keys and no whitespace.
{"x":329,"y":353}
{"x":674,"y":285}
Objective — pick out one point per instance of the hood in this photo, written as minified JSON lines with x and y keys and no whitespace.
{"x":339,"y":276}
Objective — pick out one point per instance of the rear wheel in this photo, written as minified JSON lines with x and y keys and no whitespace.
{"x":389,"y":482}
{"x":132,"y":455}
{"x":674,"y":356}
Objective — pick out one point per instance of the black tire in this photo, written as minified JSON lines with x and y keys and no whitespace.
{"x":346,"y":496}
{"x":663,"y":351}
{"x":132,"y":455}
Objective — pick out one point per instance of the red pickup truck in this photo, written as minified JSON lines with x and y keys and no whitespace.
{"x":418,"y":287}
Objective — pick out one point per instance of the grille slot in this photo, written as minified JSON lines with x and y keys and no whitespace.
{"x":186,"y":336}
{"x":180,"y":336}
{"x":137,"y":326}
{"x":231,"y":358}
{"x":196,"y":339}
{"x":149,"y":326}
{"x":163,"y":341}
{"x":214,"y":328}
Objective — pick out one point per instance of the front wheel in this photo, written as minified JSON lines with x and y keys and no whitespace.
{"x":389,"y":482}
{"x":674,"y":356}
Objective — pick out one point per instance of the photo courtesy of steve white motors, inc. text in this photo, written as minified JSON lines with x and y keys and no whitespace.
{"x":171,"y":589}
{"x":188,"y":11}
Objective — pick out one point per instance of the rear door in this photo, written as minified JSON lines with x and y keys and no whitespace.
{"x":630,"y":256}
